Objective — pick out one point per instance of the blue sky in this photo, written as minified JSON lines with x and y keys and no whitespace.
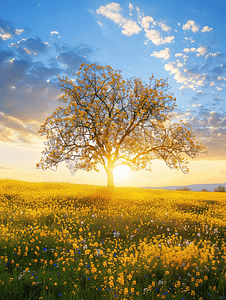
{"x":184,"y":41}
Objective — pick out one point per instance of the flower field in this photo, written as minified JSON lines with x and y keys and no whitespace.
{"x":66,"y":241}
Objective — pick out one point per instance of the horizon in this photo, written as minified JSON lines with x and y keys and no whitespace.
{"x":171,"y":188}
{"x":184,"y":43}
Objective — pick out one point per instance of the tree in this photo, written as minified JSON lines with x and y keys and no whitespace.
{"x":220,"y":188}
{"x":204,"y":190}
{"x":184,"y":189}
{"x":110,"y":121}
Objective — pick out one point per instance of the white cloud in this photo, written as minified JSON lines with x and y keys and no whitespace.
{"x":28,"y":51}
{"x":179,"y":64}
{"x":101,"y":24}
{"x":130,"y":27}
{"x":130,"y":6}
{"x":111,"y":11}
{"x":191,"y":25}
{"x":5,"y":35}
{"x":154,"y":36}
{"x":206,"y":29}
{"x":164,"y":27}
{"x":186,"y":77}
{"x":178,"y":54}
{"x":165,"y":53}
{"x":170,"y":67}
{"x":187,"y":50}
{"x":201,"y":51}
{"x":212,"y":54}
{"x":54,"y":32}
{"x":19,"y":31}
{"x":145,"y":22}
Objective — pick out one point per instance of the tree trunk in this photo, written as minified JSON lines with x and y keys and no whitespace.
{"x":110,"y":177}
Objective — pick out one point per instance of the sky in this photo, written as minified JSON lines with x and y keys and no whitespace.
{"x":183,"y":41}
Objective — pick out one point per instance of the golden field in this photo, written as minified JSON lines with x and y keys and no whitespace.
{"x":67,"y":241}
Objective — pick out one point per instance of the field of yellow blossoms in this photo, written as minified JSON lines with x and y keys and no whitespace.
{"x":66,"y":241}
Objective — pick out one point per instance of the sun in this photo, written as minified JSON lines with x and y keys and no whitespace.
{"x":121,"y":173}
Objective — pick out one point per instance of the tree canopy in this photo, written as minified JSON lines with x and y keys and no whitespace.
{"x":111,"y":121}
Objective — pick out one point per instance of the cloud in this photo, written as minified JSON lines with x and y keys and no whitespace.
{"x":71,"y":60}
{"x":4,"y":55}
{"x":130,"y":28}
{"x":29,"y":88}
{"x":217,"y":100}
{"x":154,"y":36}
{"x":101,"y":24}
{"x":188,"y":77}
{"x":31,"y":46}
{"x":178,"y":54}
{"x":200,"y":93}
{"x":210,"y":130}
{"x":130,"y":6}
{"x":206,"y":29}
{"x":40,"y":71}
{"x":145,"y":22}
{"x":164,"y":27}
{"x":187,"y":50}
{"x":13,"y":130}
{"x":165,"y":53}
{"x":7,"y":30}
{"x":191,"y":25}
{"x":54,"y":32}
{"x":201,"y":51}
{"x":112,"y":12}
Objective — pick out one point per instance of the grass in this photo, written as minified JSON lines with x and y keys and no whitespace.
{"x":65,"y":241}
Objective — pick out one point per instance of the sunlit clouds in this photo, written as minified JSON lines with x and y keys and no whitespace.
{"x":112,"y":12}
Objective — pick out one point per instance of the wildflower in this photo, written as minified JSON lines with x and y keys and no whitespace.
{"x":126,"y":291}
{"x":116,"y":234}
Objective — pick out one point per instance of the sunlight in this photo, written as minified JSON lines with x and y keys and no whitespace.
{"x":121,"y":173}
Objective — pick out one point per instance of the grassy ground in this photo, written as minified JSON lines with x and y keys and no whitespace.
{"x":65,"y":241}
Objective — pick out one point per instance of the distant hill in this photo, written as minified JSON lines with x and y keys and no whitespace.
{"x":193,"y":187}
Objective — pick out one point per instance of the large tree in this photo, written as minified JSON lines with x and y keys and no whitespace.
{"x":109,"y":121}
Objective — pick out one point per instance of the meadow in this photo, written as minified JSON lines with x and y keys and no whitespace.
{"x":66,"y":241}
